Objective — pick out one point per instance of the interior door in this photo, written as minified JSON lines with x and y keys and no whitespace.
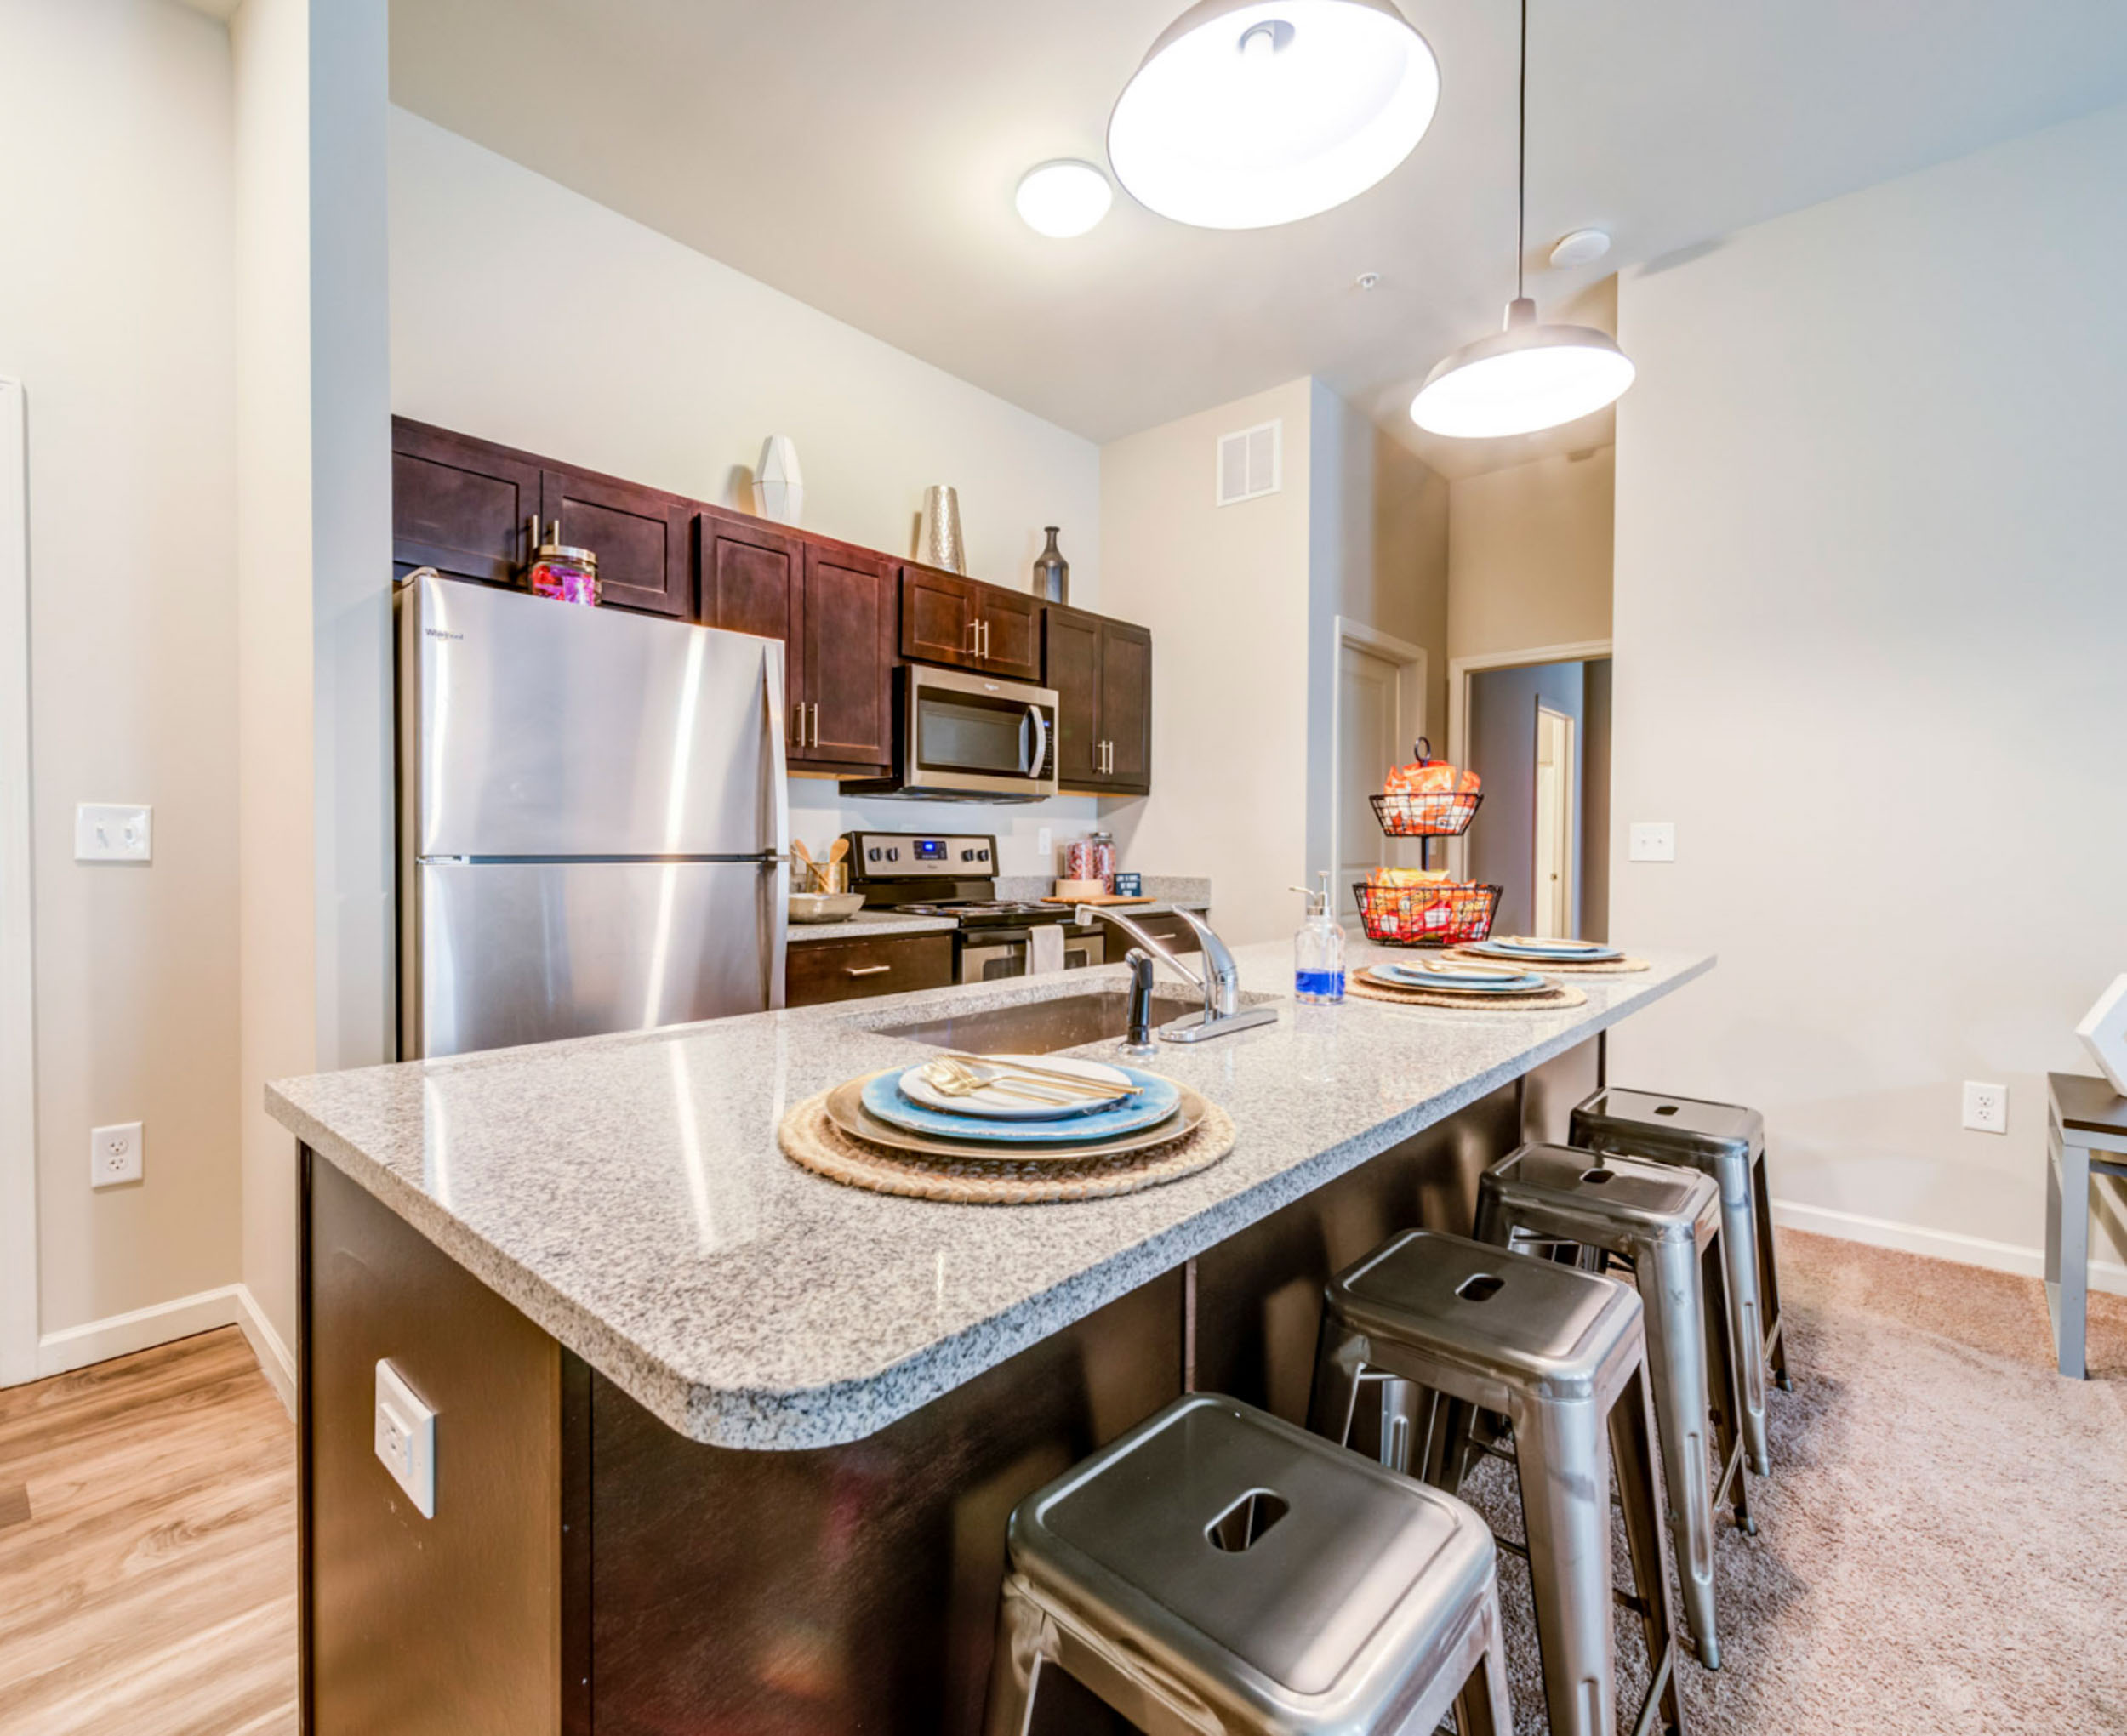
{"x":1369,"y":743}
{"x":1555,"y":823}
{"x":846,"y":673}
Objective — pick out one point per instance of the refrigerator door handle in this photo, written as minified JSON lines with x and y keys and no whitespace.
{"x":775,"y":873}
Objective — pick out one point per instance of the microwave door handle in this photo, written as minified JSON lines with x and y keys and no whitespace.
{"x":1041,"y":741}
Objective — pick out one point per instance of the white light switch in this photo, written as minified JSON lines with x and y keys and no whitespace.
{"x":406,"y":1438}
{"x":106,"y":833}
{"x":115,"y":1154}
{"x":1653,"y":840}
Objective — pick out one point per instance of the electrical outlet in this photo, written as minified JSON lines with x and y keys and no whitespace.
{"x":406,"y":1438}
{"x":103,"y":832}
{"x":115,"y":1154}
{"x":1653,"y":840}
{"x":1986,"y":1107}
{"x":1045,"y":847}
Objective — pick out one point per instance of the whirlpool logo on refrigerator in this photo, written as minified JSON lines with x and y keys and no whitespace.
{"x":441,"y":633}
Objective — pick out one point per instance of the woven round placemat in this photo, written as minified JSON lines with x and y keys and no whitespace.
{"x":809,"y":1139}
{"x":1563,"y":967}
{"x":1537,"y":1000}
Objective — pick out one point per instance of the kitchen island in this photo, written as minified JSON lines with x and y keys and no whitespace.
{"x":723,"y":1446}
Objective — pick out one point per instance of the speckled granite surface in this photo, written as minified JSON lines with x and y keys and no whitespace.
{"x":1165,"y":890}
{"x":626,"y":1193}
{"x":868,"y":924}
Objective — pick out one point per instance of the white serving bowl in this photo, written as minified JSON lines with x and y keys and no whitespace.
{"x":825,"y":906}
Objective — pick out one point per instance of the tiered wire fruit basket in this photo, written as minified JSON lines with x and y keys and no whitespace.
{"x":1443,"y":913}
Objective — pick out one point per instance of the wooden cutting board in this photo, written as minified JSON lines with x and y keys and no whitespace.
{"x":1102,"y":898}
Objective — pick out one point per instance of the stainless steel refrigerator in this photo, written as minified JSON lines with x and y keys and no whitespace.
{"x":593,"y":820}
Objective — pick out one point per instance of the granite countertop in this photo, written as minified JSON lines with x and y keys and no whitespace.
{"x":868,"y":924}
{"x":627,"y":1192}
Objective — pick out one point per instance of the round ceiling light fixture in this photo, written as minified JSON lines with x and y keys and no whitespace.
{"x":1062,"y":198}
{"x":1527,"y":376}
{"x":1247,"y":113}
{"x":1581,"y":247}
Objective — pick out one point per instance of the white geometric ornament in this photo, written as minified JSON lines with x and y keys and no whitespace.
{"x":779,"y":486}
{"x":2104,"y":1033}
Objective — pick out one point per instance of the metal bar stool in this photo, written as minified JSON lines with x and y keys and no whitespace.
{"x":1561,"y":1353}
{"x":1727,"y":1142}
{"x":1218,"y":1570}
{"x":1665,"y":1223}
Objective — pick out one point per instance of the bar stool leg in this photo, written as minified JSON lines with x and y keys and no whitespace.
{"x":1565,"y":1518}
{"x":1631,"y":1446}
{"x":1026,"y":1640}
{"x":1481,"y":1708}
{"x":1675,"y":1312}
{"x":1334,"y":1393}
{"x":1746,"y":1323}
{"x":1727,"y":1390}
{"x":1768,"y":1279}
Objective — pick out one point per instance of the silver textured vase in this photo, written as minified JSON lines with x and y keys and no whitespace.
{"x":937,"y":537}
{"x":1052,"y":572}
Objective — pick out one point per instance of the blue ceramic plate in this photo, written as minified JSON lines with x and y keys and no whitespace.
{"x":1418,"y":976}
{"x":1156,"y":1100}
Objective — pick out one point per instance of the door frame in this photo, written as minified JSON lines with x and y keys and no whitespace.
{"x":1412,"y":668}
{"x":18,"y":1058}
{"x":1459,"y":671}
{"x":1567,"y":774}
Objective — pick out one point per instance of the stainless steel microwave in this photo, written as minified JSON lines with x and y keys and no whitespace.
{"x":963,"y":737}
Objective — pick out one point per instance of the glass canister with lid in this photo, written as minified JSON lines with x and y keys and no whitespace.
{"x":570,"y":575}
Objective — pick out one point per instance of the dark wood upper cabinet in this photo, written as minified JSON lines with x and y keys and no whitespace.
{"x":751,"y":575}
{"x":639,"y":536}
{"x":844,"y":668}
{"x":965,"y":624}
{"x":1102,"y":672}
{"x":460,"y":505}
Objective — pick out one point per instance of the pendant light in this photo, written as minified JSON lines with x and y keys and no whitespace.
{"x":1247,"y":113}
{"x":1527,"y":376}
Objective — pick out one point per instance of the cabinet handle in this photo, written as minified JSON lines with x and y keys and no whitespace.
{"x":813,"y":734}
{"x":866,"y":970}
{"x":974,"y":637}
{"x":797,"y":729}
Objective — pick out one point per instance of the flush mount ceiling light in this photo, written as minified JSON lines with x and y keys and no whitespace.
{"x":1527,"y":376}
{"x":1063,"y":198}
{"x":1248,"y":113}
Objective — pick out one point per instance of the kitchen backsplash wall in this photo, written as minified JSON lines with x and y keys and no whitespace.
{"x":819,"y":815}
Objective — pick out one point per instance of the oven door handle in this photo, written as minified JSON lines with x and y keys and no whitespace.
{"x":1040,"y":740}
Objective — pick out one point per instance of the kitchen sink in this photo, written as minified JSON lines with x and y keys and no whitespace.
{"x":1042,"y":1026}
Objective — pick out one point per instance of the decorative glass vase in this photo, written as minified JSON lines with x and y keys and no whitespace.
{"x":1051,"y":572}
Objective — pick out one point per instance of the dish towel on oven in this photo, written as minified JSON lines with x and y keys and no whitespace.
{"x":1045,"y":948}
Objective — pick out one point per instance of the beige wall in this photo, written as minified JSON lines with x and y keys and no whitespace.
{"x":116,"y":312}
{"x":1529,"y":555}
{"x":1869,"y":624}
{"x":1224,"y":590}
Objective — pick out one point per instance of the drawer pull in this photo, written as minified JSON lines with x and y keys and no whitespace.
{"x":866,"y":970}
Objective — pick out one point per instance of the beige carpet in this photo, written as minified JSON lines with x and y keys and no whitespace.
{"x":1942,"y":1544}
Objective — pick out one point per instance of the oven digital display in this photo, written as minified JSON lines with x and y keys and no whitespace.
{"x":930,"y":850}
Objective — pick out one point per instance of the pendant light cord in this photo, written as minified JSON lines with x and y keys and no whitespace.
{"x":1521,"y":158}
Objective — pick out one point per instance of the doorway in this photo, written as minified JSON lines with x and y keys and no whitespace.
{"x":18,"y":1074}
{"x":1558,"y":820}
{"x":1380,"y":713}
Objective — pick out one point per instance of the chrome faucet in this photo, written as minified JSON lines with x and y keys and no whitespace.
{"x":1220,"y":978}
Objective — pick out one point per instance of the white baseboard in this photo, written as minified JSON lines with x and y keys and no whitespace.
{"x":1937,"y":1244}
{"x":121,"y":1335}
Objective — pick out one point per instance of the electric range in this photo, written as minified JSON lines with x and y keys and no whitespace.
{"x":918,"y":873}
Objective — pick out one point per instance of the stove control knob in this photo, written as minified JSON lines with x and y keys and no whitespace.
{"x":982,"y":856}
{"x":967,"y":856}
{"x":875,"y":852}
{"x":893,"y":855}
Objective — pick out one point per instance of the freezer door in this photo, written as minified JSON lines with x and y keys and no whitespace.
{"x":513,"y":953}
{"x":536,"y":728}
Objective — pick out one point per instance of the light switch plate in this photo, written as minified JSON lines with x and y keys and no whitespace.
{"x":117,"y":1154}
{"x":110,"y":832}
{"x":1654,"y":841}
{"x":406,"y":1438}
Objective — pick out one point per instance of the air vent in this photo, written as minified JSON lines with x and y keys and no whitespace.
{"x":1248,"y":463}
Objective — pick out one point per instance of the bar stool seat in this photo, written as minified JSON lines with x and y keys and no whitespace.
{"x":1726,"y":1142}
{"x":1561,"y":1353}
{"x":1666,"y":1223}
{"x":1218,"y":1570}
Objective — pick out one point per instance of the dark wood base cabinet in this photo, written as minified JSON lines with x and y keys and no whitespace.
{"x":589,"y":1570}
{"x":816,"y":972}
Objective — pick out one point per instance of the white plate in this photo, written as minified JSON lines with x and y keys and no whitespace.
{"x":1540,"y":943}
{"x":1003,"y":1106}
{"x":1506,"y":952}
{"x":1448,"y":982}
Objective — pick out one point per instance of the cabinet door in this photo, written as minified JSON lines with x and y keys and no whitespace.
{"x":639,"y":536}
{"x":1125,"y":705}
{"x":458,"y":505}
{"x":1010,"y":633}
{"x":846,"y":617}
{"x":817,"y":972}
{"x":1071,"y":665}
{"x":752,"y":578}
{"x":937,"y":617}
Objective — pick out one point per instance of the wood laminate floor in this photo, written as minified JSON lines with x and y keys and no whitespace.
{"x":147,"y":1548}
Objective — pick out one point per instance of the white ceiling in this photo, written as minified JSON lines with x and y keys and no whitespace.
{"x":861,"y":155}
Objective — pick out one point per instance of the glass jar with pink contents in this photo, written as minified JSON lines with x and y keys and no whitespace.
{"x":558,"y":571}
